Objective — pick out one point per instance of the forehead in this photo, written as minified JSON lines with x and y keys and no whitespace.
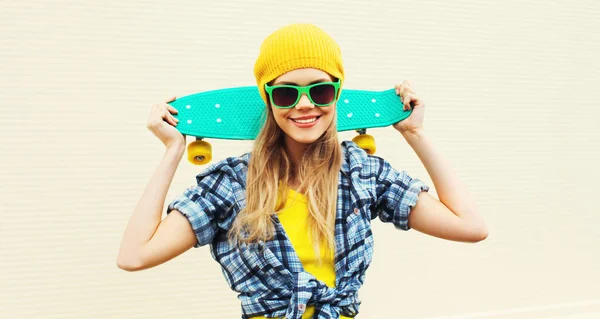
{"x":303,"y":76}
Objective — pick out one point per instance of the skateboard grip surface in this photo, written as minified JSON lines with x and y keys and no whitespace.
{"x":238,"y":113}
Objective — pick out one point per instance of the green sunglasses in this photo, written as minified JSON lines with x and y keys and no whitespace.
{"x":286,"y":96}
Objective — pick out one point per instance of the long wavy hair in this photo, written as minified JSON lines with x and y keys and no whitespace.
{"x":270,"y":171}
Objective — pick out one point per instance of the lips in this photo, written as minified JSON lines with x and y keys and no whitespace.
{"x":305,"y":121}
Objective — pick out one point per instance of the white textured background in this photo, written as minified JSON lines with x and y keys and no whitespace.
{"x":512,"y":100}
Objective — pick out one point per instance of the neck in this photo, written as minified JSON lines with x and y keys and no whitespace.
{"x":296,"y":151}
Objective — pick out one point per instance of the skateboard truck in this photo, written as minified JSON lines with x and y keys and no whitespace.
{"x":199,"y":152}
{"x":365,"y":141}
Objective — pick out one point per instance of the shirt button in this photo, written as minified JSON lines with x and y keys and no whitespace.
{"x":301,"y":307}
{"x":356,"y":211}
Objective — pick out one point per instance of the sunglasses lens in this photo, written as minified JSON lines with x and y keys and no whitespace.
{"x":323,"y":94}
{"x":284,"y":96}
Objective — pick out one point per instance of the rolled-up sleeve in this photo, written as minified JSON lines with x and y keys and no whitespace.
{"x":205,"y":205}
{"x":397,"y":193}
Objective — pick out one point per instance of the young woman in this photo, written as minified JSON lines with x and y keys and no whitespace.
{"x":289,"y":222}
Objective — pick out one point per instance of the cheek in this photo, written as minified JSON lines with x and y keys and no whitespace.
{"x":329,"y":113}
{"x":279,"y":115}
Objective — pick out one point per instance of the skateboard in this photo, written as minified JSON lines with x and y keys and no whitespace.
{"x":238,"y":114}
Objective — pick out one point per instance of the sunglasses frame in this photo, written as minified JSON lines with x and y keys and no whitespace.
{"x":302,"y":90}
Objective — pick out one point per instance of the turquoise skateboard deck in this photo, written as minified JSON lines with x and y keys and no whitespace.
{"x":237,"y":113}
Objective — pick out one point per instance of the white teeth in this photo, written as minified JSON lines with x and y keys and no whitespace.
{"x":305,"y":121}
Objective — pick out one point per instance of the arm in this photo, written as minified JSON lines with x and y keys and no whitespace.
{"x":147,"y":240}
{"x":454,"y":215}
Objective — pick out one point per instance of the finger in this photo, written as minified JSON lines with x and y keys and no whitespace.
{"x":408,"y":89}
{"x":173,"y":120}
{"x":171,"y":108}
{"x":169,"y":118}
{"x":400,"y":85}
{"x":402,"y":90}
{"x":170,"y":99}
{"x":407,"y":85}
{"x":404,"y":83}
{"x":403,"y":93}
{"x":416,"y":102}
{"x":403,"y":101}
{"x":168,"y":109}
{"x":407,"y":99}
{"x":398,"y":88}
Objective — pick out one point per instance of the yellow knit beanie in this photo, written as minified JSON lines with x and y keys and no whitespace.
{"x":293,"y":47}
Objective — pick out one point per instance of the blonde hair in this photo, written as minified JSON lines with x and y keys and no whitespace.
{"x":270,"y":167}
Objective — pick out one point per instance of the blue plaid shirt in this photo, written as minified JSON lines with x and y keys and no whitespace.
{"x":269,"y":276}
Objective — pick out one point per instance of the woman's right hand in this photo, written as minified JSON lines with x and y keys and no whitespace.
{"x":162,"y":124}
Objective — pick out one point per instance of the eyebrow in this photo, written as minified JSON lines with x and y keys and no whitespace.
{"x":294,"y":83}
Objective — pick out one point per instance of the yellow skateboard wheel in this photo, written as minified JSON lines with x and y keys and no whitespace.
{"x":366,"y":142}
{"x":199,"y":152}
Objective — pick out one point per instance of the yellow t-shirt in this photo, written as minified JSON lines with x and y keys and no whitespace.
{"x":294,"y":218}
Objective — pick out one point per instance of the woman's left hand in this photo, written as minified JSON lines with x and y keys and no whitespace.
{"x":413,"y":123}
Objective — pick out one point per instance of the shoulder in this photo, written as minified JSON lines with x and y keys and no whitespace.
{"x":358,"y":162}
{"x":224,"y":179}
{"x":233,"y":169}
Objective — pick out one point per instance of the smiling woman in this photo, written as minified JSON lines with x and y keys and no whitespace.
{"x":290,"y":222}
{"x":295,"y":110}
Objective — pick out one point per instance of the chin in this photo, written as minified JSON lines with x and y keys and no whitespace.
{"x":304,"y":137}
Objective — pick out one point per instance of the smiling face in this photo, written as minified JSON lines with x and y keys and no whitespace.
{"x":305,"y":122}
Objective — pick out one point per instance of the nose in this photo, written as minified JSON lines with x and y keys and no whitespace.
{"x":304,"y":103}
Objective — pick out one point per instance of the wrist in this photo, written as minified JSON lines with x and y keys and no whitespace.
{"x":176,"y":149}
{"x":413,"y":135}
